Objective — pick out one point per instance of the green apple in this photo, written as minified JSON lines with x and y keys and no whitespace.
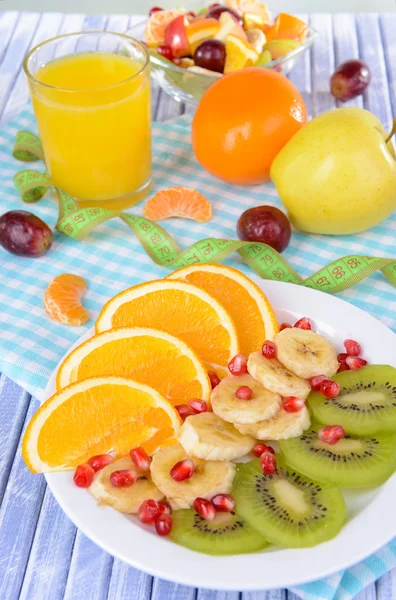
{"x":279,"y":48}
{"x":337,"y":175}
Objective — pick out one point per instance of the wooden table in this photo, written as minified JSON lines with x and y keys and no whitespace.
{"x":42,"y":555}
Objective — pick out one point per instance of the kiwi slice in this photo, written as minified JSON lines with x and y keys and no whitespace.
{"x":287,"y":508}
{"x":351,"y":462}
{"x":366,"y":403}
{"x":228,"y":533}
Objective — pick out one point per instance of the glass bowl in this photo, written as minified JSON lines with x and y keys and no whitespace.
{"x":189,"y":86}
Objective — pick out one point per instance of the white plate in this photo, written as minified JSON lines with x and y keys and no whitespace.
{"x":371,"y":516}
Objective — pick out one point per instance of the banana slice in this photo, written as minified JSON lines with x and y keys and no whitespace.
{"x":262,"y":405}
{"x":123,"y":499}
{"x":276,"y":377}
{"x":306,"y":353}
{"x":281,"y":427}
{"x":208,"y":479}
{"x":209,"y":437}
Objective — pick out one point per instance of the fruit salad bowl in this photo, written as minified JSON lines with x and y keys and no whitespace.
{"x":185,"y":85}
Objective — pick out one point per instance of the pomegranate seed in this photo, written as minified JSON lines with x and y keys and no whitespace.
{"x":343,"y":367}
{"x":100,"y":461}
{"x":223,"y":503}
{"x":183,"y":411}
{"x":204,"y":508}
{"x":197,"y":406}
{"x":154,"y":10}
{"x":354,"y":362}
{"x":353,"y":348}
{"x":268,"y":463}
{"x":123,"y":478}
{"x":284,"y":326}
{"x":164,"y":508}
{"x":238,"y":365}
{"x":292,"y":404}
{"x":329,"y":388}
{"x":331,"y":434}
{"x":191,"y":14}
{"x":165,"y":51}
{"x":83,"y":475}
{"x":269,"y":349}
{"x":342,"y":356}
{"x":182,"y":470}
{"x":244,"y":393}
{"x":214,"y":379}
{"x":163,"y":524}
{"x":316,"y":381}
{"x":148,"y":511}
{"x":141,"y":459}
{"x":303,"y":323}
{"x":260,"y":448}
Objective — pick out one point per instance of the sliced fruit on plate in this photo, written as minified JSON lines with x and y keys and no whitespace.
{"x":181,"y":309}
{"x":198,"y":31}
{"x":242,"y":399}
{"x":240,"y":54}
{"x":124,"y":499}
{"x":279,"y":48}
{"x":365,"y":404}
{"x":208,"y":478}
{"x":97,"y":416}
{"x":62,"y":299}
{"x":157,"y":23}
{"x":286,"y":507}
{"x":248,"y":306}
{"x":178,"y":201}
{"x":350,"y":462}
{"x":282,"y":426}
{"x":228,"y":26}
{"x":276,"y":377}
{"x":253,"y":7}
{"x":227,"y":533}
{"x":149,"y":356}
{"x":287,"y":27}
{"x":306,"y":353}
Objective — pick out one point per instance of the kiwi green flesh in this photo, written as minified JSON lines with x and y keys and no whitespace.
{"x":287,"y":508}
{"x":352,"y":462}
{"x":228,"y":533}
{"x":366,"y":403}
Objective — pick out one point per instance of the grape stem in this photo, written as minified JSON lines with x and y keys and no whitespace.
{"x":392,"y":133}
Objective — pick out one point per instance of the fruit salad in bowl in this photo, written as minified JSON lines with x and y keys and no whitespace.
{"x":190,"y":50}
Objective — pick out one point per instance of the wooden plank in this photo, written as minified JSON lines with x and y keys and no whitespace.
{"x":386,"y":586}
{"x":119,"y":23}
{"x":265,"y":595}
{"x":387,"y":29}
{"x":8,"y":21}
{"x":167,"y":107}
{"x":369,"y":593}
{"x":127,"y":582}
{"x":322,"y":64}
{"x":300,"y":75}
{"x":216,"y":595}
{"x":346,"y":46}
{"x":166,"y":590}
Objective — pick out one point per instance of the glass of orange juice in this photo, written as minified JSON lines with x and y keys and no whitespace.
{"x":91,"y":97}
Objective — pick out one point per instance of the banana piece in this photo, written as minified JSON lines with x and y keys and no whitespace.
{"x":281,"y":427}
{"x":123,"y":499}
{"x":276,"y":377}
{"x":209,"y":437}
{"x":262,"y":405}
{"x":306,"y":353}
{"x":208,"y":479}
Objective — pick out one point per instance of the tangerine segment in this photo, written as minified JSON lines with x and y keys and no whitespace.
{"x":62,"y":299}
{"x":179,"y":308}
{"x":248,"y":306}
{"x":239,"y":54}
{"x":178,"y":201}
{"x":287,"y":27}
{"x":155,"y":27}
{"x":95,"y":416}
{"x":149,"y":356}
{"x":253,"y":7}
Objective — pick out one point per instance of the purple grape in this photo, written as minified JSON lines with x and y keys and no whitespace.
{"x":24,"y":234}
{"x":350,"y":79}
{"x":215,"y":12}
{"x":211,"y":54}
{"x":265,"y":224}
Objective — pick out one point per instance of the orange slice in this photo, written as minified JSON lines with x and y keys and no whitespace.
{"x":96,"y":416}
{"x":178,"y":201}
{"x":252,"y":7}
{"x":146,"y":355}
{"x":199,"y":30}
{"x":181,"y":309}
{"x":228,"y":26}
{"x":248,"y":306}
{"x":287,"y":27}
{"x":155,"y":27}
{"x":62,"y":300}
{"x":239,"y":54}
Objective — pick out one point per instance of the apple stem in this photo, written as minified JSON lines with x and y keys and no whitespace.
{"x":392,"y":133}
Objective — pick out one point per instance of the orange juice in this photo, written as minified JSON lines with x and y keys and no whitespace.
{"x":93,"y":113}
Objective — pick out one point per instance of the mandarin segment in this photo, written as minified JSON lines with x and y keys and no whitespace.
{"x":178,"y":201}
{"x":157,"y":23}
{"x":62,"y":299}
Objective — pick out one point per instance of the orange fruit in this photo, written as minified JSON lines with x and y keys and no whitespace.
{"x":97,"y":416}
{"x":178,"y":201}
{"x":239,"y":54}
{"x":246,"y":303}
{"x":199,"y":30}
{"x":287,"y":27}
{"x":252,"y":7}
{"x":181,"y":309}
{"x":242,"y":121}
{"x":146,"y":355}
{"x":154,"y":32}
{"x":62,"y":300}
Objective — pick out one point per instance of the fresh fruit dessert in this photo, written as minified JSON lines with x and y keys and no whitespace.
{"x":221,"y":466}
{"x":223,"y":38}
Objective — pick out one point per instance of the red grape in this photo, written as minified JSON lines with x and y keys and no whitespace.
{"x":265,"y":224}
{"x":24,"y":234}
{"x":215,"y":12}
{"x":350,"y":79}
{"x":211,"y":54}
